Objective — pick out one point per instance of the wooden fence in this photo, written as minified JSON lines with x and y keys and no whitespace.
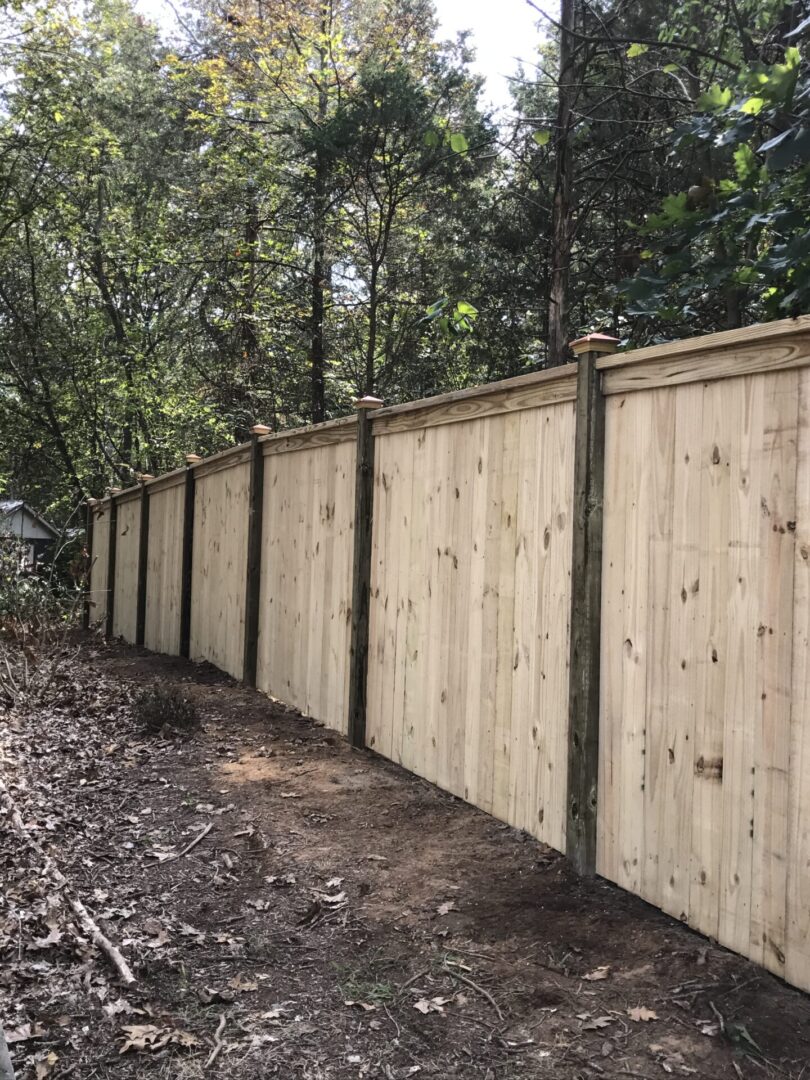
{"x":579,"y":599}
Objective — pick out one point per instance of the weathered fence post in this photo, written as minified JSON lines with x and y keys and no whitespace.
{"x":186,"y":556}
{"x":112,"y":540}
{"x":143,"y":561}
{"x":88,"y":546}
{"x":361,"y":569}
{"x":586,"y":587}
{"x":254,"y":553}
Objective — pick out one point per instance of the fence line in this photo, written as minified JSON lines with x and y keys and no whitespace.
{"x":600,"y":572}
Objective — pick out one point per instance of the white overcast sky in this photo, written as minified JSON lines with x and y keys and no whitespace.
{"x":503,"y":32}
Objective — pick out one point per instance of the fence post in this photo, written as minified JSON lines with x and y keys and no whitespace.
{"x":112,"y":540}
{"x":254,"y":554}
{"x":361,"y":569}
{"x":143,"y":562}
{"x":88,"y":545}
{"x":586,"y":602}
{"x":186,"y":557}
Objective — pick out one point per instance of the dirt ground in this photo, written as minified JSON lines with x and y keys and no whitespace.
{"x":341,"y":918}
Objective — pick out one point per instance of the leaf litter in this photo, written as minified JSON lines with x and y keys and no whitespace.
{"x":283,"y":956}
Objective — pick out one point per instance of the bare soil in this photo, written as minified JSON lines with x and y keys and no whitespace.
{"x":342,"y":918}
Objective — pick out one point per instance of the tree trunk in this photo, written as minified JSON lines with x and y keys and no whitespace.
{"x":319,"y":268}
{"x":562,"y":211}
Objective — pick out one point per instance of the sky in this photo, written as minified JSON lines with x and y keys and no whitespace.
{"x":503,"y":32}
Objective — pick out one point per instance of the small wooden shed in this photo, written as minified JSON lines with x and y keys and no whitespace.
{"x":21,"y":521}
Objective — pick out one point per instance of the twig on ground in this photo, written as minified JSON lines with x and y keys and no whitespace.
{"x":474,"y":986}
{"x":200,"y":836}
{"x":86,"y":921}
{"x":218,"y":1044}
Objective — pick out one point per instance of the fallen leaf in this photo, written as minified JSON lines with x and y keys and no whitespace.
{"x":24,"y":1032}
{"x":45,"y":1065}
{"x":448,"y":906}
{"x":364,"y":1005}
{"x":642,"y":1013}
{"x":598,"y":1023}
{"x":241,"y":983}
{"x":429,"y":1005}
{"x":597,"y":974}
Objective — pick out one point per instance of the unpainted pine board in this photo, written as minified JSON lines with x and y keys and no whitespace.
{"x":477,"y":691}
{"x":465,"y":443}
{"x":396,"y":506}
{"x":533,"y":621}
{"x":314,"y":614}
{"x":164,"y":568}
{"x":273,"y":636}
{"x":343,"y":606}
{"x":655,"y":815}
{"x":399,"y":571}
{"x":685,"y":656}
{"x":219,"y":566}
{"x":676,"y":351}
{"x":525,"y":726}
{"x":718,"y":441}
{"x":635,"y":459}
{"x":611,"y":695}
{"x":126,"y":569}
{"x":774,"y":662}
{"x":555,"y":675}
{"x":377,"y":668}
{"x":338,"y":640}
{"x":437,"y":628}
{"x":98,"y":569}
{"x":797,"y":929}
{"x":741,"y":405}
{"x":418,"y":603}
{"x":504,"y":582}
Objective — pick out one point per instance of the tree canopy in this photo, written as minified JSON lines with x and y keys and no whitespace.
{"x":286,"y":205}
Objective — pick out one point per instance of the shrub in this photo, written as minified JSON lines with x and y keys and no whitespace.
{"x":160,"y":706}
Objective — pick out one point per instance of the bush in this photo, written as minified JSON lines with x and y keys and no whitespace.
{"x":160,"y":706}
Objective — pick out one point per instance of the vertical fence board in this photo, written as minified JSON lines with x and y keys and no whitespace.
{"x":219,"y":566}
{"x":99,"y":560}
{"x":164,"y":569}
{"x":127,"y":552}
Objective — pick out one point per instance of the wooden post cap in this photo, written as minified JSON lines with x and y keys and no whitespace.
{"x":146,"y":476}
{"x":92,"y":502}
{"x":598,"y":343}
{"x":115,"y":490}
{"x":260,"y":429}
{"x":368,"y":402}
{"x":192,"y":459}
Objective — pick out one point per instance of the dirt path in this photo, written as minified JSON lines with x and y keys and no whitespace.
{"x":340,"y":919}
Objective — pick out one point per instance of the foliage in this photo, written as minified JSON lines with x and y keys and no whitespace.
{"x":162,"y":706}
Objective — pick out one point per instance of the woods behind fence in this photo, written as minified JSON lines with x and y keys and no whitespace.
{"x":579,"y":599}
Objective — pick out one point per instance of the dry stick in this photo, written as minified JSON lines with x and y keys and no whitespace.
{"x":87,"y":923}
{"x":196,"y":840}
{"x":218,"y":1044}
{"x":475,"y":986}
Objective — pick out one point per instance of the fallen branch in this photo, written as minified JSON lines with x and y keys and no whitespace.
{"x":200,"y":835}
{"x":474,"y":986}
{"x":86,"y":921}
{"x":218,"y":1044}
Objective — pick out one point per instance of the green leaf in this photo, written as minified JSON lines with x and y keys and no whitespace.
{"x":541,"y":137}
{"x":714,"y":99}
{"x":746,"y":162}
{"x":752,"y":106}
{"x":637,"y":49}
{"x":463,"y":308}
{"x":431,"y":138}
{"x":458,"y":143}
{"x":669,"y":68}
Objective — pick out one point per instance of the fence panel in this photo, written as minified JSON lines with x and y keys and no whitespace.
{"x":306,"y":586}
{"x":704,"y":804}
{"x":164,"y":564}
{"x":126,"y":565}
{"x":470,"y":591}
{"x":219,"y":561}
{"x":99,"y":557}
